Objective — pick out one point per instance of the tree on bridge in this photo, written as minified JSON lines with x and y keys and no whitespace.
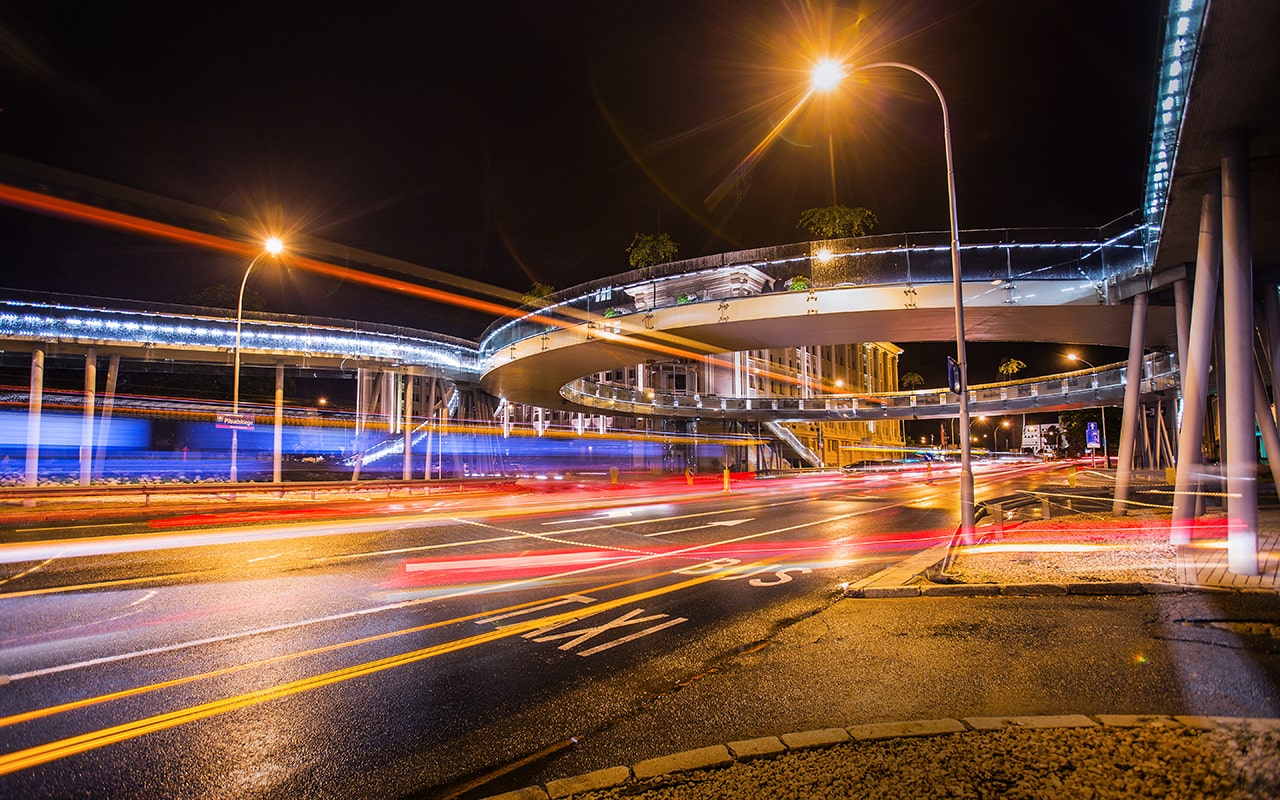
{"x":647,"y":249}
{"x":1011,"y":367}
{"x":910,"y":380}
{"x":838,"y":222}
{"x":537,"y":295}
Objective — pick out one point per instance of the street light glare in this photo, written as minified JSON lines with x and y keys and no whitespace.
{"x":826,"y":74}
{"x":274,"y":245}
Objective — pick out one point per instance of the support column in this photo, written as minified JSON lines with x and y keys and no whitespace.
{"x":277,"y":436}
{"x":406,"y":469}
{"x":86,"y":426}
{"x":1182,"y":313}
{"x":430,"y":416}
{"x":362,"y":412}
{"x":1132,"y":405}
{"x":1267,"y":426}
{"x":108,"y":405}
{"x":35,"y":402}
{"x":1237,"y":292}
{"x":1271,"y":308}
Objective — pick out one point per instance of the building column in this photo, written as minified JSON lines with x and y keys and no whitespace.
{"x":86,"y":426}
{"x":35,"y":402}
{"x":1132,"y":405}
{"x":1237,"y":292}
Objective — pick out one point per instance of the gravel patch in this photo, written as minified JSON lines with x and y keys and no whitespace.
{"x":1072,"y":549}
{"x":1085,"y":763}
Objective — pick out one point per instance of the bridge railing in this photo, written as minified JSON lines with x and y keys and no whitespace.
{"x":46,"y":317}
{"x":1159,"y":371}
{"x":998,"y":257}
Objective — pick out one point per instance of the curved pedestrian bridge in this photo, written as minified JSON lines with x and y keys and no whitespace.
{"x":1036,"y":286}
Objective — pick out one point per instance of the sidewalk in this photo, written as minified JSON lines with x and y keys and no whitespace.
{"x":1076,"y":753}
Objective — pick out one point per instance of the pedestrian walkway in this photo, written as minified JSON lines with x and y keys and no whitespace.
{"x":1204,"y":562}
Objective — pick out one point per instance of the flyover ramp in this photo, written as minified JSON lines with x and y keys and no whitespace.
{"x":536,"y":370}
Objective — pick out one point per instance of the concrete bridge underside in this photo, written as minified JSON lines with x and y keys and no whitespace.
{"x":535,"y":370}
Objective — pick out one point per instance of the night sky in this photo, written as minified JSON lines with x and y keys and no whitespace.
{"x":513,"y":142}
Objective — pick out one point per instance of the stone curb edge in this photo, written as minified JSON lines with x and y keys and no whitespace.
{"x":1100,"y":588}
{"x":723,"y":755}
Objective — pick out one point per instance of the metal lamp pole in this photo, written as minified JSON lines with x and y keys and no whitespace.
{"x":273,"y":248}
{"x":825,"y":76}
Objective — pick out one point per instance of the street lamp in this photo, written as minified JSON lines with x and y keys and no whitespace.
{"x":825,"y":76}
{"x":1102,"y":414}
{"x":272,"y":247}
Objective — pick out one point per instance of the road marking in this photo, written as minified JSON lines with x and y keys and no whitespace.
{"x":521,"y":628}
{"x":52,"y":751}
{"x":145,"y":597}
{"x":729,"y":523}
{"x":266,"y":558}
{"x":608,"y":514}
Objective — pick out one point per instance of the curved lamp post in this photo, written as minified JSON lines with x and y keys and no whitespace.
{"x":825,"y":76}
{"x":272,"y":247}
{"x":1102,"y":413}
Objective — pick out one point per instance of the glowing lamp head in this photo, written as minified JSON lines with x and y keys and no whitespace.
{"x":274,"y":245}
{"x":824,"y":255}
{"x":827,"y":74}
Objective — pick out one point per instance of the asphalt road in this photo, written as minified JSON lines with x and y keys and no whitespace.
{"x":416,"y":647}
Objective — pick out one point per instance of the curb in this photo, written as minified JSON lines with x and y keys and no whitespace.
{"x":724,"y":755}
{"x":1102,"y":588}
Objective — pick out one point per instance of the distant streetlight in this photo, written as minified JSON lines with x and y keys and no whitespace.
{"x":273,"y":246}
{"x":1102,"y":414}
{"x":827,"y":75}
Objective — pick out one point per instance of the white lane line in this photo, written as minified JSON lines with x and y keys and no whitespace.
{"x":145,"y":597}
{"x":490,"y":588}
{"x":266,"y":558}
{"x":722,"y":523}
{"x":609,"y":514}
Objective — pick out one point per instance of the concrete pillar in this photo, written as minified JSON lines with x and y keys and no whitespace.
{"x":108,"y":405}
{"x":277,"y":432}
{"x":1182,"y":313}
{"x":1271,"y":308}
{"x":1132,"y":405}
{"x":1237,"y":293}
{"x":86,"y":425}
{"x":406,"y":468}
{"x":35,"y":402}
{"x":1195,"y":369}
{"x":1267,"y":426}
{"x":362,"y":412}
{"x":430,"y":416}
